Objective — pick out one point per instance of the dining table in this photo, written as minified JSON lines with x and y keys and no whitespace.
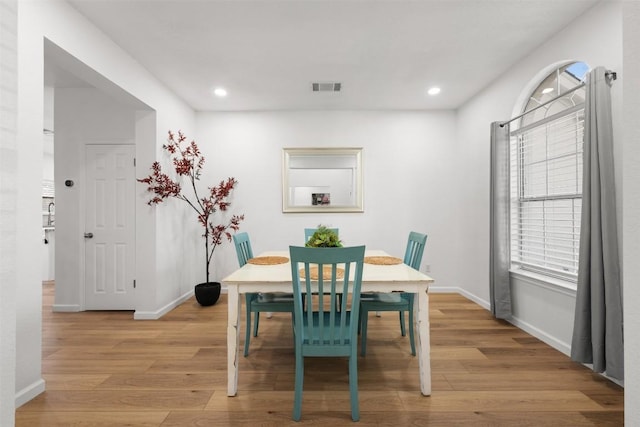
{"x":267,"y":278}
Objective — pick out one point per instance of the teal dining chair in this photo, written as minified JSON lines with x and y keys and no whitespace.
{"x":322,"y":329}
{"x":395,"y":301}
{"x":258,"y":302}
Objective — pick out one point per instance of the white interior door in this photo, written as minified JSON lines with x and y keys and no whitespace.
{"x":109,"y":227}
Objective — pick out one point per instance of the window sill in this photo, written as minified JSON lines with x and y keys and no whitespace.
{"x":552,"y":283}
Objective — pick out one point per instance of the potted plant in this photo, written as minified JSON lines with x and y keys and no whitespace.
{"x":187,"y":163}
{"x":324,"y":237}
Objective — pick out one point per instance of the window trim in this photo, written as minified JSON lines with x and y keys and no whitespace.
{"x":544,"y":281}
{"x":519,"y":268}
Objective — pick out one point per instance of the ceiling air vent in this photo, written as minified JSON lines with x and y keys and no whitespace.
{"x":326,"y":87}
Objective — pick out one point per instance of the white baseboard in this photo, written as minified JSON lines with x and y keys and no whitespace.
{"x":541,"y":335}
{"x":454,"y":290}
{"x":154,"y":315}
{"x":29,"y":392}
{"x":66,"y":308}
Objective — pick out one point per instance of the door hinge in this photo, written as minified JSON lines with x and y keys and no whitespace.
{"x":134,"y":283}
{"x":134,"y":161}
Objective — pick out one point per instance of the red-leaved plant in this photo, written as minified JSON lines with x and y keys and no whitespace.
{"x":188,"y":162}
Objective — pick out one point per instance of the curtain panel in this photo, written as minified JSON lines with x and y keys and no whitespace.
{"x":499,"y":288}
{"x":598,"y":330}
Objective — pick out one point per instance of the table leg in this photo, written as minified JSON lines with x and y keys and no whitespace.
{"x":233,"y":339}
{"x":421,"y":310}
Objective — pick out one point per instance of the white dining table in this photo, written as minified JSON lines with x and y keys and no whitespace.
{"x":375,"y":278}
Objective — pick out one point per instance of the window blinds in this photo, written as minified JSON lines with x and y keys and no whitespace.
{"x":546,"y":190}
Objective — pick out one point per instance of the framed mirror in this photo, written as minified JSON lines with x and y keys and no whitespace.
{"x":322,"y":180}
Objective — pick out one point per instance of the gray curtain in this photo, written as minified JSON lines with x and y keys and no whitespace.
{"x":597,"y":331}
{"x":500,"y":292}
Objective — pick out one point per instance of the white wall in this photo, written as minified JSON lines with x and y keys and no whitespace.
{"x":631,"y":207}
{"x":596,"y":38}
{"x":83,"y":116}
{"x":407,"y":158}
{"x":8,"y":205}
{"x":114,"y":72}
{"x":29,"y":206}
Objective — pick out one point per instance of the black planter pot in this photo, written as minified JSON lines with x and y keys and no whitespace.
{"x":207,"y":293}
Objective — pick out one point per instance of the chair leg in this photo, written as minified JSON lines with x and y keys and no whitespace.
{"x":411,"y":338}
{"x":255,"y":324}
{"x":297,"y":398}
{"x":363,"y":339}
{"x":353,"y":386}
{"x":402,"y":329}
{"x":247,"y":334}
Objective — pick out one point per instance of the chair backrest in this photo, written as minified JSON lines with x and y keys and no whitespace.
{"x":243,"y":247}
{"x":325,"y":328}
{"x":308,"y":232}
{"x":415,"y":249}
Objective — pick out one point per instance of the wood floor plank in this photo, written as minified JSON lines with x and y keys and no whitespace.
{"x":106,"y":369}
{"x":457,"y":353}
{"x":605,"y":419}
{"x":119,"y":353}
{"x":210,"y":418}
{"x":514,"y":365}
{"x":485,"y":419}
{"x":148,"y":381}
{"x":118,"y":400}
{"x":74,"y":381}
{"x":496,"y":401}
{"x":81,"y":366}
{"x":606,"y":399}
{"x":526,"y":380}
{"x":327,"y":400}
{"x":90,"y":419}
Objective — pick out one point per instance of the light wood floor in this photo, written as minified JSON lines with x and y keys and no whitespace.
{"x":105,"y":369}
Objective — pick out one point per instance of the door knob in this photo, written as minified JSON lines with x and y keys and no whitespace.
{"x":88,"y":235}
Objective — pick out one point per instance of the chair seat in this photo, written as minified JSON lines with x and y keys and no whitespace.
{"x":393,"y":297}
{"x":274,"y":297}
{"x":272,"y":302}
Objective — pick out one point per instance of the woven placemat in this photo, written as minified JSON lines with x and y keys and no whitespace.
{"x":326,"y":272}
{"x":268,"y":260}
{"x":382,"y":260}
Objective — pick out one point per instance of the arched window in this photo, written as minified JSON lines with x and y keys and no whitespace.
{"x":546,"y":175}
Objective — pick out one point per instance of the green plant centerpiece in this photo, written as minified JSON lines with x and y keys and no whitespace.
{"x":188,"y":161}
{"x":324,"y":237}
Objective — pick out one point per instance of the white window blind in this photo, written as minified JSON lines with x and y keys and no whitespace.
{"x":546,"y":191}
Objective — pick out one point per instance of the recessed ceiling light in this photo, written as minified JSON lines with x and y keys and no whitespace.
{"x":547,"y":90}
{"x":433,"y":91}
{"x":221,"y":92}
